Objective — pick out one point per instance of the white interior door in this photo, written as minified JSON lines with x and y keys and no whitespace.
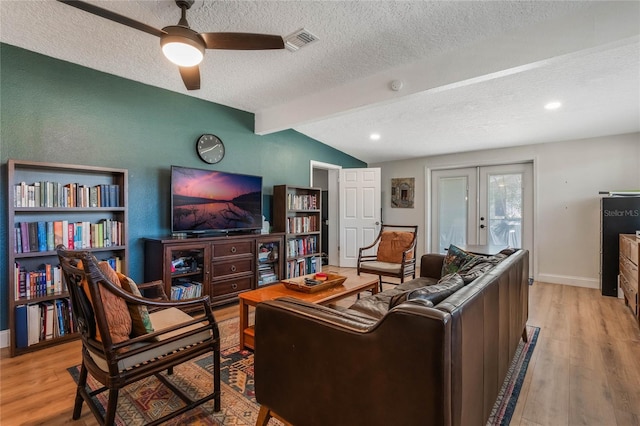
{"x":360,"y":210}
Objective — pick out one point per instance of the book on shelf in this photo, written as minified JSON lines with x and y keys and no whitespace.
{"x":49,"y":324}
{"x":33,"y":324}
{"x":21,"y":330}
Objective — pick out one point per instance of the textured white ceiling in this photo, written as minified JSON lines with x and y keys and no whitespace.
{"x":475,"y":74}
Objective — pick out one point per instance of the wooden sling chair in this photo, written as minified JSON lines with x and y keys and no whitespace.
{"x":127,"y":337}
{"x":394,"y":254}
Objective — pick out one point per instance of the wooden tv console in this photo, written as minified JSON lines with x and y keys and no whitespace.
{"x":224,"y":266}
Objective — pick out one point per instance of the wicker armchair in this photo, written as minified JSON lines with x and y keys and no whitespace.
{"x":176,"y":336}
{"x":395,"y":254}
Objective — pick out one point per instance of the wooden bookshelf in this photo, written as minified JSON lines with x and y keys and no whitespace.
{"x":94,"y":203}
{"x":297,"y":213}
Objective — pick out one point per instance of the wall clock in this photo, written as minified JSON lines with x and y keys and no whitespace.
{"x":210,"y":148}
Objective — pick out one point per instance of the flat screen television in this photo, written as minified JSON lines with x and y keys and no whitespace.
{"x":208,"y":201}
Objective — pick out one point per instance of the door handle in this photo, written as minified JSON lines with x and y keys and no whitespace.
{"x":482,"y":226}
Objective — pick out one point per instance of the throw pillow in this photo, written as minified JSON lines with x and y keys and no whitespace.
{"x":455,"y":259}
{"x":140,"y":320}
{"x":115,"y":308}
{"x":392,"y":244}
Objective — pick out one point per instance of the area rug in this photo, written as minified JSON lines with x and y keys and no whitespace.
{"x":508,"y":396}
{"x":149,"y":399}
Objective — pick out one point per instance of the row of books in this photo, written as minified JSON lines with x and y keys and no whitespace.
{"x":298,"y":224}
{"x":45,"y":236}
{"x":302,"y":202}
{"x":43,"y":321}
{"x":267,"y":256}
{"x":299,"y":267}
{"x":266,"y":274}
{"x":302,"y":246}
{"x":55,"y":194}
{"x":46,"y":280}
{"x":186,"y":290}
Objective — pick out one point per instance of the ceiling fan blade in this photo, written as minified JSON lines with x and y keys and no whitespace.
{"x":242,"y":41}
{"x":191,"y":77}
{"x":112,"y":16}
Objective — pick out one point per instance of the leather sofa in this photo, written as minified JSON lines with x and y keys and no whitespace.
{"x":414,"y":365}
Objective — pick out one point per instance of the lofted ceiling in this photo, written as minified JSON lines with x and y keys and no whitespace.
{"x":473,"y":74}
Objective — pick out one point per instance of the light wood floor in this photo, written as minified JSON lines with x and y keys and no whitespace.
{"x":585,"y":369}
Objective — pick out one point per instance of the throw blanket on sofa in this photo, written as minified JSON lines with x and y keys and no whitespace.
{"x":459,"y":268}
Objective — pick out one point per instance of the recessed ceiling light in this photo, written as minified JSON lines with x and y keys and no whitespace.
{"x":374,"y":136}
{"x":553,"y":105}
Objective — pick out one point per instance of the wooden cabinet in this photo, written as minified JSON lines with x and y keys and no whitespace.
{"x":629,"y":261}
{"x":221,"y":267}
{"x":82,"y":207}
{"x":297,"y":213}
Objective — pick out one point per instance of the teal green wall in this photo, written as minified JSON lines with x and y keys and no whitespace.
{"x":55,"y":111}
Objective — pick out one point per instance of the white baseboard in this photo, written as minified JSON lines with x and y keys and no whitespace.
{"x":5,"y":338}
{"x":569,"y":280}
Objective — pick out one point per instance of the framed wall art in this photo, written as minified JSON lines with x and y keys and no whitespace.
{"x":402,"y":192}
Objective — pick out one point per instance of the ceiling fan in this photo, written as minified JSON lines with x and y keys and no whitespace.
{"x":184,"y":46}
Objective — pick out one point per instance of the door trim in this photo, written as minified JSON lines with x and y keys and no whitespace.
{"x":333,"y":213}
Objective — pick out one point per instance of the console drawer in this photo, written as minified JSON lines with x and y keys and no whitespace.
{"x":226,"y":287}
{"x":231,"y":248}
{"x":231,"y":267}
{"x":630,"y":294}
{"x":629,"y":268}
{"x":629,"y":249}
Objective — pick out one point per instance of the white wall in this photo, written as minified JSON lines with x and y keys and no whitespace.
{"x":567,"y":178}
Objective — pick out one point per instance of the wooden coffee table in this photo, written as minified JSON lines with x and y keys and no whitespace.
{"x":352,"y":286}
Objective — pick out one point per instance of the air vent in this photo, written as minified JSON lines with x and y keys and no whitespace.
{"x":299,"y":39}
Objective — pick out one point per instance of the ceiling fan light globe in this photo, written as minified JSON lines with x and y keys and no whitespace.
{"x":182,"y":46}
{"x":182,"y":54}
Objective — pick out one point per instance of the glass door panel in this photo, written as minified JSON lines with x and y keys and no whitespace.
{"x":453,"y":206}
{"x":504,"y":210}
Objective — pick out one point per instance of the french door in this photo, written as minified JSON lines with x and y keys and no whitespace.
{"x":491,"y":205}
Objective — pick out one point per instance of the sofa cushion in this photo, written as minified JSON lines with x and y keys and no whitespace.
{"x":392,"y":244}
{"x":434,"y":293}
{"x":377,"y":305}
{"x":416,"y":283}
{"x":455,"y":259}
{"x":477,"y":266}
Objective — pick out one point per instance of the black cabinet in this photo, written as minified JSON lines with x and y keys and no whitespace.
{"x":619,"y":215}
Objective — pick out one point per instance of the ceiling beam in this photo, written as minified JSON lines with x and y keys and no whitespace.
{"x":605,"y":26}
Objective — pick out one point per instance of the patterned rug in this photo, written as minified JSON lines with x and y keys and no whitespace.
{"x":149,"y":399}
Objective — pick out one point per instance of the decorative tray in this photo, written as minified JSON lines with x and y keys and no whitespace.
{"x":298,"y":283}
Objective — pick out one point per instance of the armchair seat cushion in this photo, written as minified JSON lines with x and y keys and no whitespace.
{"x":383,"y":267}
{"x":161,"y":320}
